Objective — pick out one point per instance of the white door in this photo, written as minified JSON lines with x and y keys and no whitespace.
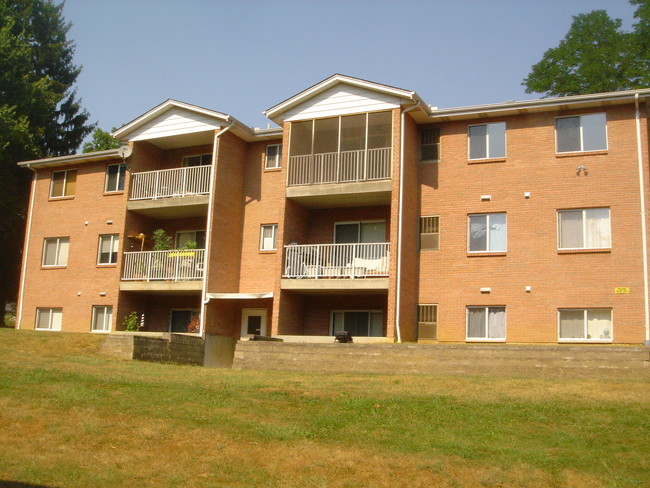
{"x":253,"y":322}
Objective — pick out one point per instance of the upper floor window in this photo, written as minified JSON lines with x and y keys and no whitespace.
{"x":487,"y":233}
{"x":430,"y":233}
{"x":273,"y":156}
{"x":581,"y":133}
{"x":108,"y":245}
{"x":268,"y":237}
{"x":63,"y":183}
{"x":487,"y":141}
{"x":200,"y":160}
{"x":584,"y":229}
{"x":55,"y":251}
{"x":48,"y":318}
{"x":360,"y":232}
{"x":194,"y":239}
{"x":429,"y":144}
{"x":115,"y":174}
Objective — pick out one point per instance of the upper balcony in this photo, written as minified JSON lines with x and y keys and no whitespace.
{"x":175,"y":270}
{"x":341,"y":161}
{"x":171,"y":193}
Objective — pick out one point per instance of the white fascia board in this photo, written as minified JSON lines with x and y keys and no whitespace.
{"x":239,"y":296}
{"x":73,"y":158}
{"x":332,"y":81}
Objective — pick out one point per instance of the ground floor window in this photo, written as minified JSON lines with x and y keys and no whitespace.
{"x":486,"y":323}
{"x":184,"y":321}
{"x":102,"y":318}
{"x":585,"y":324}
{"x":364,"y":323}
{"x":49,"y":318}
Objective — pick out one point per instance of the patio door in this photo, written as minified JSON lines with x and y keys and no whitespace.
{"x":253,"y":322}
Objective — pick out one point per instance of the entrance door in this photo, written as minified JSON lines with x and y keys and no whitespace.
{"x":253,"y":322}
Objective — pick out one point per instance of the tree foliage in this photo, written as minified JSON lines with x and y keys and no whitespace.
{"x":101,"y":141}
{"x":40,"y":114}
{"x":596,"y":55}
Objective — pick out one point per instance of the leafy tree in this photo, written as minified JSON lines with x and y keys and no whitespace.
{"x":596,"y":55}
{"x":40,"y":114}
{"x":102,"y":141}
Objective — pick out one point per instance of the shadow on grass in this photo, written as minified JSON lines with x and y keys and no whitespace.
{"x":18,"y":484}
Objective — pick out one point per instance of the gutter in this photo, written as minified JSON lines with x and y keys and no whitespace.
{"x":208,"y":233}
{"x":21,"y":294}
{"x":399,"y":231}
{"x":643,"y":223}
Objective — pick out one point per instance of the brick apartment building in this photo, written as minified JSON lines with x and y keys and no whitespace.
{"x":366,"y":210}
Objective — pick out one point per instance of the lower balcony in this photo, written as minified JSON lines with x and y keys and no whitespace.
{"x":174,"y":271}
{"x":332,"y":267}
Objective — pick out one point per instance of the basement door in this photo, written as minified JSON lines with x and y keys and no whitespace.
{"x":253,"y":322}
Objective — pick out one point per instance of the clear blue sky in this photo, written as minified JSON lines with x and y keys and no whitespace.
{"x":241,"y":57}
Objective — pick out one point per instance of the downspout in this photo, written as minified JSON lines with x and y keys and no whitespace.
{"x":21,"y":294}
{"x":399,"y":231}
{"x":208,"y":233}
{"x":643,"y":224}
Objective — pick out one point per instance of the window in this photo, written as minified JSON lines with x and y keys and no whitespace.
{"x":359,"y":232}
{"x":108,"y":245}
{"x":115,"y":177}
{"x":63,"y":184}
{"x":184,"y":321}
{"x":581,"y":133}
{"x":487,"y":233}
{"x":486,"y":323}
{"x":200,"y":160}
{"x":588,"y":324}
{"x":55,"y":251}
{"x":429,"y":144}
{"x":364,"y":323}
{"x":430,"y":233}
{"x":428,"y":322}
{"x":487,"y":141}
{"x":48,"y":318}
{"x":102,"y":318}
{"x":584,"y":229}
{"x":273,"y":156}
{"x":185,"y":237}
{"x":268,"y":237}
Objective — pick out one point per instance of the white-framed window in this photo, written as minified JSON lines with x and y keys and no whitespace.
{"x":55,"y":251}
{"x":102,"y":318}
{"x":183,"y":237}
{"x":115,"y":174}
{"x":273,"y":156}
{"x":587,"y":228}
{"x":430,"y":233}
{"x":428,"y":321}
{"x":429,"y":144}
{"x":581,"y":133}
{"x":371,"y":231}
{"x":64,"y":183}
{"x":198,"y":160}
{"x":487,"y":141}
{"x":486,"y":323}
{"x":107,"y":252}
{"x":48,"y":318}
{"x":268,"y":237}
{"x":361,"y":323}
{"x":487,"y":232}
{"x":585,"y":324}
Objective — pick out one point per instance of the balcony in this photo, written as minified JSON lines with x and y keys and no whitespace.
{"x":171,"y":193}
{"x":332,"y":267}
{"x":177,"y":270}
{"x":341,"y":178}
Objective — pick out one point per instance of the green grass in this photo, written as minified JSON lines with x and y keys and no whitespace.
{"x":69,"y":417}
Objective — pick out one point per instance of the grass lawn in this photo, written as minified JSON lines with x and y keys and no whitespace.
{"x":70,"y":418}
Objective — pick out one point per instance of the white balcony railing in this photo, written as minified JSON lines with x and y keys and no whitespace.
{"x":336,"y":260}
{"x":339,"y":167}
{"x":169,"y":183}
{"x":172,"y":265}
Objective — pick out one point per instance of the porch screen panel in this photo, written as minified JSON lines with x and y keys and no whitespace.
{"x":379,"y":130}
{"x":301,"y":137}
{"x":326,"y":135}
{"x":353,"y":132}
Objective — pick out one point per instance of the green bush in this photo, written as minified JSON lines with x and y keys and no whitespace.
{"x":131,"y":322}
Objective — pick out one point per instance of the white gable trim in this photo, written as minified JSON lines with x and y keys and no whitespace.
{"x":175,"y":121}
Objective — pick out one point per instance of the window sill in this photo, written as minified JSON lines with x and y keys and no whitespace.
{"x":487,"y":160}
{"x":268,"y":251}
{"x":107,"y":265}
{"x":484,"y":340}
{"x":55,"y":267}
{"x":585,"y":251}
{"x":57,"y":199}
{"x":109,"y":193}
{"x":485,"y":254}
{"x":580,"y":153}
{"x":585,"y":341}
{"x":272,"y":170}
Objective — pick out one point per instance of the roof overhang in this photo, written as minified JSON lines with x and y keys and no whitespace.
{"x":409,"y":97}
{"x":72,"y":159}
